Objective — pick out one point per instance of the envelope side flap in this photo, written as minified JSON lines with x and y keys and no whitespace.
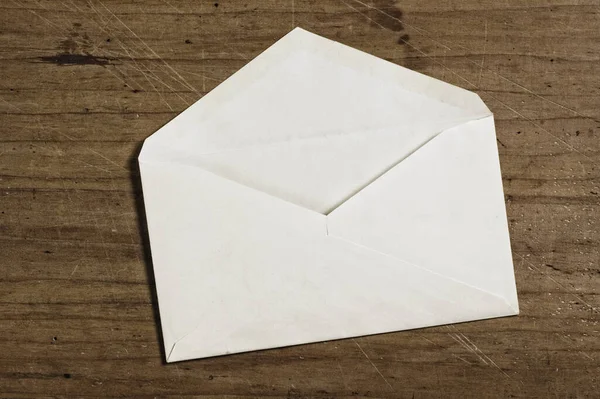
{"x":442,"y":208}
{"x":195,"y":220}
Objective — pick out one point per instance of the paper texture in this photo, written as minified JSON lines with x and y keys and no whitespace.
{"x":323,"y":193}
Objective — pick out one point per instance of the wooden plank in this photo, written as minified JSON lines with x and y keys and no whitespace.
{"x":83,"y":83}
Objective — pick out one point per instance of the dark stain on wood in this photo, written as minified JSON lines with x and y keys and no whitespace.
{"x":76,"y":49}
{"x":386,"y":13}
{"x":68,"y":59}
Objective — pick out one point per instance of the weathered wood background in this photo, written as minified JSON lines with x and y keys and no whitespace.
{"x":82,"y":83}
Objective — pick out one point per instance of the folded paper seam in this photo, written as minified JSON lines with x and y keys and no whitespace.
{"x":185,"y":161}
{"x":511,"y":306}
{"x":324,"y":135}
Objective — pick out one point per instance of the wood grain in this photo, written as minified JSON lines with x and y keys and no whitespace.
{"x":83,"y":83}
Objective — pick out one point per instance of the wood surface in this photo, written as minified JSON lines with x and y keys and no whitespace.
{"x":83,"y":83}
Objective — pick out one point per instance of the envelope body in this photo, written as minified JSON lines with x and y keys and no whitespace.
{"x":323,"y":193}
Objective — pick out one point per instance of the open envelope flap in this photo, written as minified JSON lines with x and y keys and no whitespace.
{"x":442,"y":208}
{"x":294,"y":80}
{"x":237,"y":269}
{"x":312,"y":121}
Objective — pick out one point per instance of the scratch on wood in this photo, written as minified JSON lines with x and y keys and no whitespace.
{"x":203,"y":77}
{"x":541,"y":128}
{"x":138,"y":69}
{"x":464,"y":360}
{"x":74,"y":270}
{"x":486,"y":356}
{"x":556,"y":282}
{"x":142,"y":50}
{"x":108,"y":160}
{"x":93,"y":166}
{"x":485,"y":39}
{"x":132,"y":59}
{"x":170,"y":5}
{"x":443,"y":347}
{"x":150,"y":49}
{"x":148,"y":73}
{"x":373,"y":364}
{"x":469,"y":345}
{"x":107,"y":52}
{"x":12,"y":105}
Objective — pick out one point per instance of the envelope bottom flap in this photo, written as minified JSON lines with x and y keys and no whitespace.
{"x":362,"y":293}
{"x":195,"y":344}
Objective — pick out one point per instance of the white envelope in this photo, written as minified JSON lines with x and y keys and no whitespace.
{"x":323,"y":193}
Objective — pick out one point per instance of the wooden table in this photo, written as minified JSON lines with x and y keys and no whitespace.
{"x":83,"y":83}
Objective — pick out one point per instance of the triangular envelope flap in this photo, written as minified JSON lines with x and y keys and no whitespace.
{"x":442,"y":208}
{"x":305,"y":86}
{"x":238,"y":270}
{"x":319,"y":121}
{"x":195,"y":220}
{"x":307,"y":95}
